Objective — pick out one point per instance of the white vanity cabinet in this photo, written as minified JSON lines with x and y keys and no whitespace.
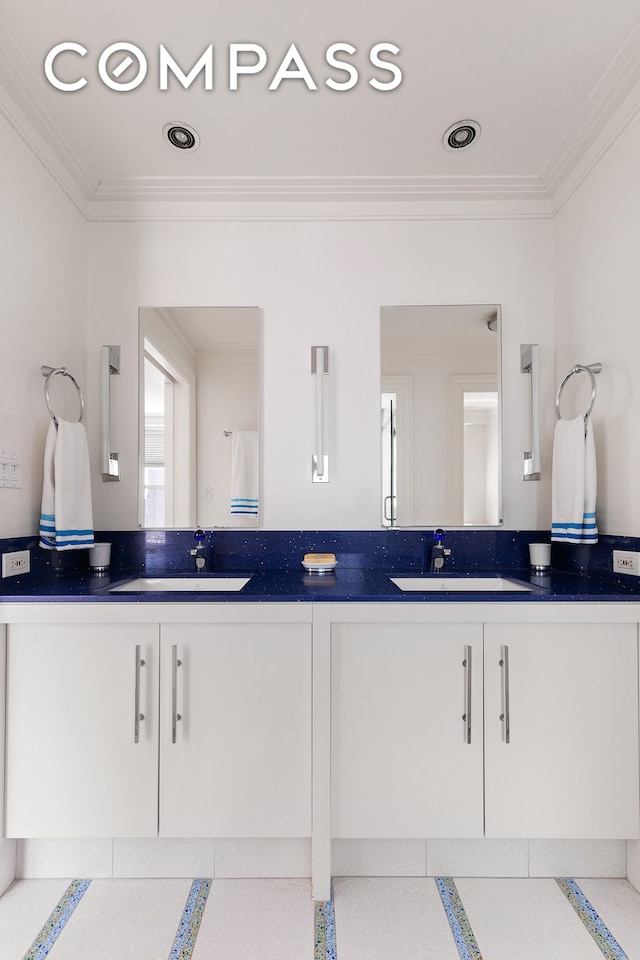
{"x":195,"y":727}
{"x":235,"y":730}
{"x":406,"y":739}
{"x":82,"y":736}
{"x":554,"y":732}
{"x":561,"y":730}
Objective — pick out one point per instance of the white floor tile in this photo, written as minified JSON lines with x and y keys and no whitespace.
{"x":24,"y":909}
{"x":391,"y":919}
{"x":124,"y":919}
{"x":257,"y":920}
{"x":376,"y":918}
{"x":618,"y":906}
{"x":525,"y":919}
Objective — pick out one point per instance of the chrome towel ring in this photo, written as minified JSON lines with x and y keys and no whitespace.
{"x":49,"y":372}
{"x":591,"y":369}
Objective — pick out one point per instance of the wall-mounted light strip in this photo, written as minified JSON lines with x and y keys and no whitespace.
{"x":530,"y":363}
{"x":110,"y":361}
{"x":320,"y":368}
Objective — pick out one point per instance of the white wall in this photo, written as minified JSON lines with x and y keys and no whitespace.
{"x":597,"y":291}
{"x":321,"y":282}
{"x":43,"y":258}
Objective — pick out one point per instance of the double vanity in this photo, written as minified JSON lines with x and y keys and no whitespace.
{"x":362,"y":704}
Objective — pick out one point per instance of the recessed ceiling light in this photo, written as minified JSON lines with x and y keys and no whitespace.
{"x":181,"y":136}
{"x":461,"y":134}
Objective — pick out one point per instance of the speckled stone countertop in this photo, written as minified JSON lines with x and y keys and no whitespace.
{"x":366,"y":562}
{"x":349,"y":584}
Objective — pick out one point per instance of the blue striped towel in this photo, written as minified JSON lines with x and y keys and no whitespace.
{"x":244,"y":473}
{"x":66,"y":517}
{"x":574,"y":483}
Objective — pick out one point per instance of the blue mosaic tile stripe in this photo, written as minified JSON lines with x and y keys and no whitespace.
{"x":54,"y":926}
{"x":190,"y":921}
{"x":609,"y":946}
{"x":325,"y":930}
{"x":458,"y":921}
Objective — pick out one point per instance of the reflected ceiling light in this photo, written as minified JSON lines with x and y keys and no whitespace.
{"x":461,"y":134}
{"x":181,"y":136}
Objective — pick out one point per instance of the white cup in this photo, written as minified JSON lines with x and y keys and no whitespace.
{"x":99,"y":556}
{"x":540,"y":555}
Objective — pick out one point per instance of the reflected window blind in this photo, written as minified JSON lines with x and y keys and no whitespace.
{"x":154,"y":441}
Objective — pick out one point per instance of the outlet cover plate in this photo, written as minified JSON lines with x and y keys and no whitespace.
{"x":13,"y":564}
{"x":627,"y":562}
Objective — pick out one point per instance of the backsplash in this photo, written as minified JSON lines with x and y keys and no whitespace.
{"x":159,"y":551}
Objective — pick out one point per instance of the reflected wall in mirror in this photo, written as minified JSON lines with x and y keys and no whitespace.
{"x":198,"y":416}
{"x":441,"y":419}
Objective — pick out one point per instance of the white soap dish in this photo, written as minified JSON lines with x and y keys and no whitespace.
{"x":321,"y":566}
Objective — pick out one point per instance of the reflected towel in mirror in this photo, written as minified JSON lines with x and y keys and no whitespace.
{"x":244,"y":473}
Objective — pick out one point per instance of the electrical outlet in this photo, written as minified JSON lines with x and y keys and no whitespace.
{"x":626,"y":561}
{"x":16,"y":563}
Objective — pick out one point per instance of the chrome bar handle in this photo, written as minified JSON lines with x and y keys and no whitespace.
{"x":505,"y":716}
{"x":138,"y":716}
{"x":175,"y":716}
{"x":466,"y":716}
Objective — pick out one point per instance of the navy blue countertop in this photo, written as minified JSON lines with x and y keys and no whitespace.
{"x":347,"y":584}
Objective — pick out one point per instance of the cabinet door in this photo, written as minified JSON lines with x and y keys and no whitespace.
{"x":570,"y":768}
{"x":402,"y":763}
{"x":74,"y":768}
{"x":237,"y":762}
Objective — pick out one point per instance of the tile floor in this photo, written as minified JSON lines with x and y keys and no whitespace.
{"x":367,"y":919}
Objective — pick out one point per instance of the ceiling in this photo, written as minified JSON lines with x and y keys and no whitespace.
{"x":545,"y":81}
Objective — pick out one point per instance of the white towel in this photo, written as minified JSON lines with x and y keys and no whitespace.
{"x":244,"y":472}
{"x":66,"y":518}
{"x":574,"y":483}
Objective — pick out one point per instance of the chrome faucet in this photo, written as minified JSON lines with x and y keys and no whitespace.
{"x":197,"y":552}
{"x":439,"y":552}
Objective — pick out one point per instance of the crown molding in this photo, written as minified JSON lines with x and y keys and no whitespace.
{"x":226,"y":211}
{"x":43,"y":152}
{"x":614,"y":88}
{"x":27,"y":106}
{"x":301,"y":189}
{"x":33,"y":114}
{"x":596,"y":150}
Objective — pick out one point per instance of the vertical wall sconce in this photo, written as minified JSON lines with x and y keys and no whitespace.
{"x":530,"y":363}
{"x":110,"y":362}
{"x":320,"y":460}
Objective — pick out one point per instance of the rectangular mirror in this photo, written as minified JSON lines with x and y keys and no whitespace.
{"x":199,"y":373}
{"x":441,"y":415}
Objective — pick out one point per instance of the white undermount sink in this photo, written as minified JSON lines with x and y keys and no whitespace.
{"x":179,"y":584}
{"x":459,"y":584}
